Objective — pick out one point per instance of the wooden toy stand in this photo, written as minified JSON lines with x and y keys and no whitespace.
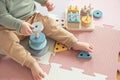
{"x":80,"y":19}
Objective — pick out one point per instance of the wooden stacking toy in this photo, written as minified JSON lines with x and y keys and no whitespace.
{"x":37,"y":41}
{"x":78,"y":18}
{"x":84,"y":55}
{"x":86,"y":20}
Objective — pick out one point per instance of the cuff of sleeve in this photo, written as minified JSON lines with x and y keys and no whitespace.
{"x":18,"y":25}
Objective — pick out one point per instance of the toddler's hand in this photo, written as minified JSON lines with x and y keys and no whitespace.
{"x":50,"y":5}
{"x":26,"y":29}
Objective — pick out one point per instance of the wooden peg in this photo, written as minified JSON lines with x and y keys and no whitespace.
{"x":71,"y":15}
{"x":77,"y":17}
{"x":37,"y":35}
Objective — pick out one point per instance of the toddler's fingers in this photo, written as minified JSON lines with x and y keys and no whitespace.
{"x":91,"y":46}
{"x":32,"y":27}
{"x":30,"y":31}
{"x":91,"y":50}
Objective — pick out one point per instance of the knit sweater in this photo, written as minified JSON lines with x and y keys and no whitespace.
{"x":12,"y":11}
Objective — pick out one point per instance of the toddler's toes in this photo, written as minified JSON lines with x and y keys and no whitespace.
{"x":42,"y":75}
{"x":37,"y":77}
{"x":90,"y":48}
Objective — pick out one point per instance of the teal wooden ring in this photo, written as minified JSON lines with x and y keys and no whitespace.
{"x":38,"y":27}
{"x":97,"y":14}
{"x":35,"y":40}
{"x":38,"y":47}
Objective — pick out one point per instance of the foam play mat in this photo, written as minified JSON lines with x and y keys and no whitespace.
{"x":104,"y":60}
{"x":103,"y":65}
{"x":65,"y":65}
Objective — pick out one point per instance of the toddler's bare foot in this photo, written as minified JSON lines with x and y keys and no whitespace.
{"x":83,"y":46}
{"x":37,"y":72}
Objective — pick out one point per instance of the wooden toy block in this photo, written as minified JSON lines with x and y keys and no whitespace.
{"x":73,"y":8}
{"x":80,"y":19}
{"x":59,"y":47}
{"x":84,"y":55}
{"x":73,"y":17}
{"x":73,"y":26}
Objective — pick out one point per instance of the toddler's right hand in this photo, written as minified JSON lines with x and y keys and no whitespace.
{"x":50,"y":5}
{"x":26,"y":29}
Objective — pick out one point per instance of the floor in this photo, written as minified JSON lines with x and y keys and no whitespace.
{"x":10,"y":68}
{"x":118,"y":76}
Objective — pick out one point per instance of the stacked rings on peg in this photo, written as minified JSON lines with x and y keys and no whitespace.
{"x":37,"y":41}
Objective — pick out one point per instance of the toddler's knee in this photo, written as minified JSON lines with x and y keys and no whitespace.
{"x":12,"y":36}
{"x":8,"y":40}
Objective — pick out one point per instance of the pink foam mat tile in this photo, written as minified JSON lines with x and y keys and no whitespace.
{"x":110,"y":26}
{"x":10,"y":70}
{"x":104,"y":60}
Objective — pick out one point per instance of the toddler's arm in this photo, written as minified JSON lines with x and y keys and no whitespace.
{"x":8,"y":20}
{"x":48,"y":3}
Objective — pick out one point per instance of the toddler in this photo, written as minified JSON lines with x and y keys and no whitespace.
{"x":16,"y":17}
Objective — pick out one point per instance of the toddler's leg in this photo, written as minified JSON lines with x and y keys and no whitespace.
{"x":9,"y":44}
{"x":56,"y":32}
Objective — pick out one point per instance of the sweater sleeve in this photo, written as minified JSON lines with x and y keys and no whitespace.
{"x":8,"y":20}
{"x":42,"y":2}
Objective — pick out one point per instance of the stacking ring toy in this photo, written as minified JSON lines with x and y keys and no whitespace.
{"x":38,"y":27}
{"x":39,"y":42}
{"x":97,"y":14}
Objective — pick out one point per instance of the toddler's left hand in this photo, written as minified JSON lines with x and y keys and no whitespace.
{"x":50,"y":5}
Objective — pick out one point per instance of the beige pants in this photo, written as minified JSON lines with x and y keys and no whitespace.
{"x":10,"y":39}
